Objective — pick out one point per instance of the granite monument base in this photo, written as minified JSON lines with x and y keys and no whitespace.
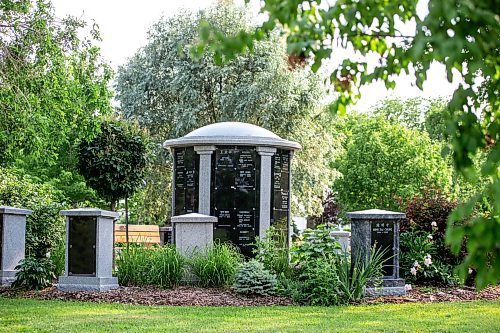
{"x":7,"y":277}
{"x":87,"y":283}
{"x":389,"y":287}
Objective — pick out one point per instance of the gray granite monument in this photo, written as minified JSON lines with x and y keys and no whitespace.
{"x":238,"y":173}
{"x":89,"y":250}
{"x":12,"y":241}
{"x":379,"y":228}
{"x":193,"y":232}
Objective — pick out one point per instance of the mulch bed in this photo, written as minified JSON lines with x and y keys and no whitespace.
{"x":434,"y":294}
{"x":154,"y":296}
{"x":224,"y":297}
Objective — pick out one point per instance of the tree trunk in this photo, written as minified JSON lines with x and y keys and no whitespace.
{"x":126,"y":219}
{"x":113,"y":205}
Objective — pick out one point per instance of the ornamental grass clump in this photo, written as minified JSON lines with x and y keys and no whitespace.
{"x":252,"y":278}
{"x":216,"y":267}
{"x":156,"y":266}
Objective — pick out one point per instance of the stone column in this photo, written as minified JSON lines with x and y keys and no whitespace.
{"x":343,"y":238}
{"x":12,"y":241}
{"x":193,"y":232}
{"x":205,"y":178}
{"x":266,"y":176}
{"x":379,"y":228}
{"x":89,"y":250}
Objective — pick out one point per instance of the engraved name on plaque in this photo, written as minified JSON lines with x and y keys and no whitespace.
{"x":186,"y":163}
{"x":382,"y":236}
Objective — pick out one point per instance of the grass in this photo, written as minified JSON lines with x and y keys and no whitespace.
{"x":28,"y":315}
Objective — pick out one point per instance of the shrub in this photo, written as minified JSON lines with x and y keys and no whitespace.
{"x":45,"y":227}
{"x":34,"y":273}
{"x":272,"y":251}
{"x":320,"y":282}
{"x":315,"y":243}
{"x":253,"y":278}
{"x":335,"y":280}
{"x":158,"y":266}
{"x":421,"y":259}
{"x":291,"y":288}
{"x":428,"y":212}
{"x":216,"y":267}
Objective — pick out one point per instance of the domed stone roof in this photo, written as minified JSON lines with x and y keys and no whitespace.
{"x":232,"y":133}
{"x":232,"y":128}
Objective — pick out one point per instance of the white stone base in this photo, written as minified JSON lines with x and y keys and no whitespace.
{"x":87,"y":283}
{"x":7,"y":277}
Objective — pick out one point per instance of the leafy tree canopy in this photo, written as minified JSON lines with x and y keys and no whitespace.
{"x":417,"y":113}
{"x":383,"y":163}
{"x":463,"y":35}
{"x":114,"y":162}
{"x":53,"y":85}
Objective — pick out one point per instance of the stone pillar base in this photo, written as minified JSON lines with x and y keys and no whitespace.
{"x":389,"y":287}
{"x":87,"y":283}
{"x":7,"y":277}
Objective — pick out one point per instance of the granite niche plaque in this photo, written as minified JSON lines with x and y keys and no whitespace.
{"x":382,"y":236}
{"x":380,"y":229}
{"x":235,"y":196}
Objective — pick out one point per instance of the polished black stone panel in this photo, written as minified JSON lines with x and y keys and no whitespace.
{"x":186,"y":166}
{"x":235,"y":195}
{"x":382,"y":237}
{"x":280,"y":195}
{"x":1,"y":238}
{"x":82,"y":245}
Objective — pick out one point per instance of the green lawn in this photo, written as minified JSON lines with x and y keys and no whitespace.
{"x":22,"y":315}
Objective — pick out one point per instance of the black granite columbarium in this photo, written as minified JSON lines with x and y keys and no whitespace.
{"x":241,"y":176}
{"x":379,"y":229}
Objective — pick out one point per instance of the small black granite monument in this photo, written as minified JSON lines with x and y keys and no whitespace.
{"x":379,"y":228}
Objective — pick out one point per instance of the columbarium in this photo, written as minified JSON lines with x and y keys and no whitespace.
{"x":236,"y":172}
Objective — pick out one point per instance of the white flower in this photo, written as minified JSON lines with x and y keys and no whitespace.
{"x":47,"y":254}
{"x":434,"y":224}
{"x":413,"y":271}
{"x":428,"y":261}
{"x":407,"y":287}
{"x":430,"y":237}
{"x":470,"y":270}
{"x":416,"y":264}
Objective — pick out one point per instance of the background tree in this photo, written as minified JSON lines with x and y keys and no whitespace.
{"x":383,"y":163}
{"x":53,"y":88}
{"x":171,"y":94}
{"x":460,"y":34}
{"x":423,"y":114}
{"x":115,"y":161}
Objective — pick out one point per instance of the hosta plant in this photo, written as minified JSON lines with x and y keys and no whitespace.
{"x":34,"y":273}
